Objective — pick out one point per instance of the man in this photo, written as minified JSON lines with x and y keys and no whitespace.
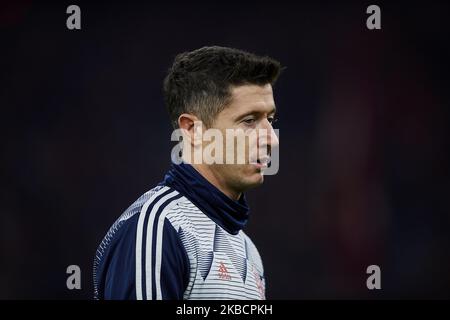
{"x":184,"y":239}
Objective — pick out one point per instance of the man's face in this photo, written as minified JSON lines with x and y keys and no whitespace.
{"x":252,"y":108}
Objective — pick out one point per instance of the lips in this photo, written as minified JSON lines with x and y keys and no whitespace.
{"x":263,"y":161}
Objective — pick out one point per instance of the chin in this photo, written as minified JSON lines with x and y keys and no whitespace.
{"x":246,"y":177}
{"x":254,"y":179}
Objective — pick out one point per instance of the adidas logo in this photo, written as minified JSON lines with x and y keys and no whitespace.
{"x":223,"y":272}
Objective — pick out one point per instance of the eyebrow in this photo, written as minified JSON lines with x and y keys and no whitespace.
{"x":272,"y":111}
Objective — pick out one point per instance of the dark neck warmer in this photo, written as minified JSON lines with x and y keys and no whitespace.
{"x":229,"y":214}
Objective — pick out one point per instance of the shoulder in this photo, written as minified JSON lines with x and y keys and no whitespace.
{"x":129,"y":219}
{"x":133,"y":223}
{"x":135,"y":237}
{"x":151,"y":207}
{"x":148,"y":213}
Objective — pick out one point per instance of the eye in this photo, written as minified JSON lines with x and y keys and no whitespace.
{"x":272,"y":120}
{"x":249,"y":121}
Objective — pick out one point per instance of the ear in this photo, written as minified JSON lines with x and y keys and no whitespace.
{"x":189,"y":125}
{"x":186,"y":121}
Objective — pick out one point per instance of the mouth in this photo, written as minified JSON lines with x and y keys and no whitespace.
{"x":263,"y":162}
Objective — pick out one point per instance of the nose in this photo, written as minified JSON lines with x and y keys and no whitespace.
{"x":271,"y":138}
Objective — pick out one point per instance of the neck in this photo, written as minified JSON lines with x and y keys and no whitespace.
{"x":209,"y":175}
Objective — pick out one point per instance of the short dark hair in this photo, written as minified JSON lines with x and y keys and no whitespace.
{"x":199,"y":81}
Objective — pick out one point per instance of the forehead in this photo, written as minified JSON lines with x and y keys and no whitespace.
{"x":251,"y":96}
